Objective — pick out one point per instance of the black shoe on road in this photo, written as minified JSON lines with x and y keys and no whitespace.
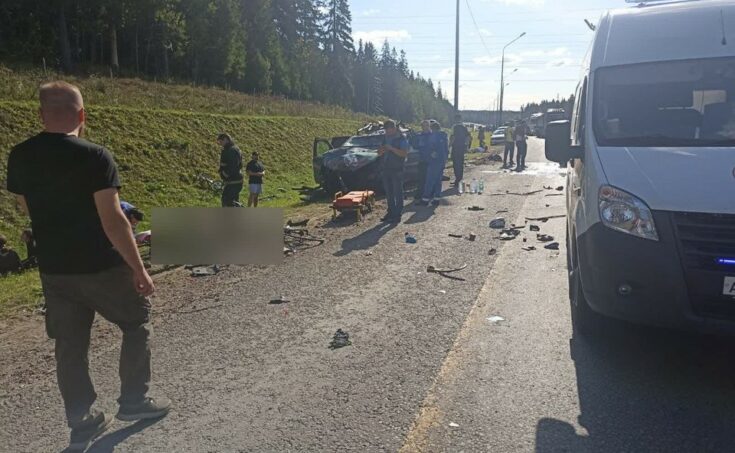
{"x":149,"y":408}
{"x":83,"y":436}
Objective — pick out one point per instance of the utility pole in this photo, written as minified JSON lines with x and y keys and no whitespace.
{"x":502,"y":76}
{"x":456,"y":66}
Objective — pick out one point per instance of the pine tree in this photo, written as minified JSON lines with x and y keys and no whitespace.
{"x":339,"y":49}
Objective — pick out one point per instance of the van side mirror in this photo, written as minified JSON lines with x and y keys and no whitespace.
{"x":559,"y":143}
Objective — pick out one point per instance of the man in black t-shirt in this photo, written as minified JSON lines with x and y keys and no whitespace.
{"x":255,"y":171}
{"x":460,"y":143}
{"x":230,"y":169}
{"x":88,"y":265}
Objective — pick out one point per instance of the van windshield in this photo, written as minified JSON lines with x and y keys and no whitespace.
{"x":667,"y":104}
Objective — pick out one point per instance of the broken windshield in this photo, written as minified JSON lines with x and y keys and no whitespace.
{"x":365,"y":141}
{"x":667,"y":104}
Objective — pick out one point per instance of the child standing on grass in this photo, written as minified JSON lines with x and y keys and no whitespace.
{"x":256,"y":171}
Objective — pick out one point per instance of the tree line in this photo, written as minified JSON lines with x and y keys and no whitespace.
{"x":300,"y":49}
{"x":541,"y":107}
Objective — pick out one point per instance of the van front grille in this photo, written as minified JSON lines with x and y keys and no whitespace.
{"x":704,"y":239}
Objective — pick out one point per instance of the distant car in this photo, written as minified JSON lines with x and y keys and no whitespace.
{"x":498,"y":137}
{"x":352,"y":163}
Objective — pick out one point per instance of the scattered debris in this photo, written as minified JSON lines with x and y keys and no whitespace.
{"x":495,"y":158}
{"x":560,"y":188}
{"x":340,"y":340}
{"x":453,"y":425}
{"x":552,"y":246}
{"x":529,"y":248}
{"x":441,"y":291}
{"x":501,"y":211}
{"x":554,"y":195}
{"x":475,"y":208}
{"x":516,"y":193}
{"x":545,"y":219}
{"x":278,"y":301}
{"x":288,"y":251}
{"x":203,"y":271}
{"x":445,"y":272}
{"x":495,"y":319}
{"x":544,"y":237}
{"x":525,"y":240}
{"x":509,"y":234}
{"x":458,"y":236}
{"x":498,"y":223}
{"x":298,"y":223}
{"x":369,"y":253}
{"x":410,"y":239}
{"x":492,"y":252}
{"x":472,"y":237}
{"x":534,"y":228}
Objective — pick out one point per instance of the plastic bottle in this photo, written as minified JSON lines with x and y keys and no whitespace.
{"x":481,"y":187}
{"x":473,"y":186}
{"x":410,"y":238}
{"x":460,"y":187}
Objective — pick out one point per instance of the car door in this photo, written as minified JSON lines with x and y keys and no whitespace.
{"x":321,"y":146}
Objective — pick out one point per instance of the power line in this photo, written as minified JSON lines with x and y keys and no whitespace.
{"x":479,"y":33}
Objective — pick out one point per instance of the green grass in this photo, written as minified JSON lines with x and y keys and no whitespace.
{"x":160,"y":150}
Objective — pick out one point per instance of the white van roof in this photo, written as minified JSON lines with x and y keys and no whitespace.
{"x":665,"y":31}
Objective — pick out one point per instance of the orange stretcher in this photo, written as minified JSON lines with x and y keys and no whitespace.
{"x":359,"y":201}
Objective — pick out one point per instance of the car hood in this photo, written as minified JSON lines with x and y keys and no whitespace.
{"x":674,"y":179}
{"x":349,"y":159}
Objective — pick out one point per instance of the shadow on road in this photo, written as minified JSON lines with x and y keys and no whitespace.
{"x":107,"y":443}
{"x":365,"y":240}
{"x":649,"y":390}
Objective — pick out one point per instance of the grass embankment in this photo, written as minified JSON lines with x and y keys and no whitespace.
{"x":162,"y":136}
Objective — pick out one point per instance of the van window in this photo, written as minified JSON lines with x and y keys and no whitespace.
{"x":680,"y":103}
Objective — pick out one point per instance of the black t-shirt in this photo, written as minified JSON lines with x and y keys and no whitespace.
{"x":230,"y":164}
{"x":255,"y":166}
{"x":58,"y":175}
{"x":460,"y":137}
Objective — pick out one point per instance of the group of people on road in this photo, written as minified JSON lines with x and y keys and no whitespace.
{"x":230,"y":170}
{"x":434,"y":146}
{"x":516,"y":136}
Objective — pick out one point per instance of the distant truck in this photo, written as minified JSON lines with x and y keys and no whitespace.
{"x":539,"y":121}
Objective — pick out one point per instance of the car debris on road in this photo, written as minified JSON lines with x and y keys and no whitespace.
{"x":340,"y":340}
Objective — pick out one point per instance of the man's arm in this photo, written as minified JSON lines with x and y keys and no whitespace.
{"x":117,"y":229}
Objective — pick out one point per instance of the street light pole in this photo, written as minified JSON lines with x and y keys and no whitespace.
{"x":502,"y":76}
{"x":456,"y":65}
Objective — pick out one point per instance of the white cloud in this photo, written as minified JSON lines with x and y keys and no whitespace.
{"x":377,"y":37}
{"x":561,"y":62}
{"x":485,"y":32}
{"x":370,"y":12}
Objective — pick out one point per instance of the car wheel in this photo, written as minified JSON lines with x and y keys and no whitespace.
{"x":584,"y":320}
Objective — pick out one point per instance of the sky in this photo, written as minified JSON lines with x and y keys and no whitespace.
{"x":544,"y":64}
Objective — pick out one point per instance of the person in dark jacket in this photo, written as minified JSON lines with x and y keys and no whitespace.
{"x":9,"y":259}
{"x":460,"y":142}
{"x":393,"y":151}
{"x":230,"y":170}
{"x":520,"y":135}
{"x":481,"y":136}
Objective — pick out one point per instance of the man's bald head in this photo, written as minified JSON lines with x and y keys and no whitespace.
{"x":62,"y":107}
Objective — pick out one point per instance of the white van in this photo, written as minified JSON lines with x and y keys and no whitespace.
{"x":651,"y":158}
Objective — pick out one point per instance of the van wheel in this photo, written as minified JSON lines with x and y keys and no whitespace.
{"x":584,"y":320}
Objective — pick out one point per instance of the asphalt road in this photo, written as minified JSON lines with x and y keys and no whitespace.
{"x":426,"y":371}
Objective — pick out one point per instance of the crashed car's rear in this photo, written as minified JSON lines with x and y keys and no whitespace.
{"x":343,"y":164}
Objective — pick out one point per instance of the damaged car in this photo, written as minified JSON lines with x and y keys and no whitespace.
{"x":353,"y":163}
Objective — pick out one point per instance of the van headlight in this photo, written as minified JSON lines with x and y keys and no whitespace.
{"x":624,"y":212}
